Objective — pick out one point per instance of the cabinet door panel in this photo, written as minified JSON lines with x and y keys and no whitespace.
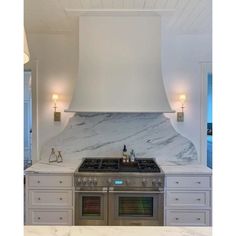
{"x":54,"y":181}
{"x":50,"y":217}
{"x":50,"y":198}
{"x":191,"y":182}
{"x":188,"y":199}
{"x":187,"y":217}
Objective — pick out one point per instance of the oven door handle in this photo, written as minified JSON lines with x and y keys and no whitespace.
{"x":104,"y":190}
{"x":143,"y":192}
{"x":90,"y":191}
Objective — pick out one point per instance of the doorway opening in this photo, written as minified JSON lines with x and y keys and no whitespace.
{"x":209,"y":121}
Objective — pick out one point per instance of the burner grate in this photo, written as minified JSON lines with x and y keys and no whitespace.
{"x":116,"y":165}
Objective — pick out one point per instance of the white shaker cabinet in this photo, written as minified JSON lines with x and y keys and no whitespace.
{"x":187,"y":199}
{"x":49,"y":199}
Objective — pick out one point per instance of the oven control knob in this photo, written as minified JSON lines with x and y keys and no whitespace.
{"x":154,"y":182}
{"x":109,"y":181}
{"x":84,"y":180}
{"x":144,"y":181}
{"x":95,"y":182}
{"x":159,"y":182}
{"x":90,"y":181}
{"x":79,"y":181}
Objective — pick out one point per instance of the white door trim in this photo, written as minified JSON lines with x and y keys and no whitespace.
{"x":33,"y":66}
{"x":206,"y":68}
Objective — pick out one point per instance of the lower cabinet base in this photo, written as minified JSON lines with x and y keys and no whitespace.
{"x":187,"y":218}
{"x":50,"y":217}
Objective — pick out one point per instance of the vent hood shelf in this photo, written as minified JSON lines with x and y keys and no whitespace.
{"x":119,"y":67}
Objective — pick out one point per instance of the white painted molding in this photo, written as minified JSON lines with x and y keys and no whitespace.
{"x":33,"y":65}
{"x":206,"y":68}
{"x":50,"y":31}
{"x":36,"y":153}
{"x":118,"y":12}
{"x":121,"y":111}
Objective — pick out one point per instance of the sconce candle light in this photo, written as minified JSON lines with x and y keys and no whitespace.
{"x":180,"y":115}
{"x":57,"y":115}
{"x":26,"y":49}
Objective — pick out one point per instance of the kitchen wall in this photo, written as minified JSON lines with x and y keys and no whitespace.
{"x":182,"y":60}
{"x":55,"y":56}
{"x":53,"y":64}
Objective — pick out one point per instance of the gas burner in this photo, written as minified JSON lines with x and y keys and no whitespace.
{"x":92,"y":161}
{"x":110,"y":165}
{"x":148,"y":165}
{"x":110,"y":162}
{"x":90,"y":165}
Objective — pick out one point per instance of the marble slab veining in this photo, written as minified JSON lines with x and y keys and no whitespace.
{"x":151,"y":135}
{"x":115,"y":231}
{"x":65,"y":167}
{"x":185,"y":169}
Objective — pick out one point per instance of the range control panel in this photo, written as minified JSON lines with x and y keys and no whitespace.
{"x":115,"y":181}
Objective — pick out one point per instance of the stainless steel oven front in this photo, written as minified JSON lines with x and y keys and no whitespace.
{"x":119,"y":198}
{"x":132,"y":206}
{"x":91,"y":206}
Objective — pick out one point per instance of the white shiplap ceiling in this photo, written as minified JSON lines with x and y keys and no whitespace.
{"x":184,"y":17}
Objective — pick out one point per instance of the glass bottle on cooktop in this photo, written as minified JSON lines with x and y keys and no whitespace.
{"x":132,"y":156}
{"x":125,"y":154}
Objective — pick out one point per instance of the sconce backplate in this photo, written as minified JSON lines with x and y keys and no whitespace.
{"x":57,"y":116}
{"x":180,"y":116}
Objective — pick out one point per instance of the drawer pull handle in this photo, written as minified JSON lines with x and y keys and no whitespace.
{"x":38,"y":181}
{"x":61,"y":198}
{"x":198,"y":199}
{"x":198,"y":182}
{"x":39,"y":198}
{"x":198,"y":218}
{"x":176,"y":199}
{"x":38,"y":218}
{"x":61,"y":218}
{"x":177,"y":182}
{"x":176,"y":218}
{"x":60,"y":182}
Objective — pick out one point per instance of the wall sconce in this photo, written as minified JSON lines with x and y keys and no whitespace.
{"x":180,"y":115}
{"x":26,"y":49}
{"x":57,"y":115}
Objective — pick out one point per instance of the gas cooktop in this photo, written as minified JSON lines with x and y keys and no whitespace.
{"x":144,"y":165}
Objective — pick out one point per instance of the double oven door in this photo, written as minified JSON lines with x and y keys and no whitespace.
{"x":110,"y":206}
{"x":91,"y":206}
{"x":135,"y":207}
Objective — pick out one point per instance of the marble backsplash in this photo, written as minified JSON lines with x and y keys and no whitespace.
{"x":104,"y":134}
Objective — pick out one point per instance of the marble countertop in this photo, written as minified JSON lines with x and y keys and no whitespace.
{"x":65,"y":167}
{"x":69,"y":166}
{"x":183,"y":168}
{"x":115,"y":231}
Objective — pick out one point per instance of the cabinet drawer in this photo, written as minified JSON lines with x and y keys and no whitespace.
{"x":188,"y":182}
{"x":50,"y":217}
{"x":50,"y":198}
{"x":187,"y":218}
{"x":188,"y":199}
{"x":54,"y":181}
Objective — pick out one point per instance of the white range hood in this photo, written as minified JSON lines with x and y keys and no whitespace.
{"x":119,"y":67}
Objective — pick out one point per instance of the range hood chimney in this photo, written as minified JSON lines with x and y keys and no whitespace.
{"x":119,"y":67}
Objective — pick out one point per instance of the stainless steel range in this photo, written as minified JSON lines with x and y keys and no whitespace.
{"x":110,"y":192}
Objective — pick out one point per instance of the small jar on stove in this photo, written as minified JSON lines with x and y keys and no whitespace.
{"x":125,"y":154}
